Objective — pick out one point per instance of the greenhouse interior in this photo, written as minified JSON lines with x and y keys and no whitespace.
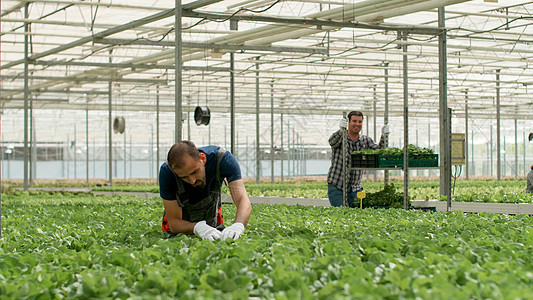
{"x":95,"y":93}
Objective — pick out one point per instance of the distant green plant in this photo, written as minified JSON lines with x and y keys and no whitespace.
{"x":387,"y":197}
{"x":503,"y":191}
{"x":411,"y":149}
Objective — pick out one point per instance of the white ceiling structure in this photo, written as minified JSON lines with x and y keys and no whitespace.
{"x":309,"y":60}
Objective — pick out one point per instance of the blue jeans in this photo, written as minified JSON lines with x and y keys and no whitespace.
{"x":335,"y":196}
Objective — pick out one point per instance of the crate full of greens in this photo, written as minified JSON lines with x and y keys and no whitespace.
{"x":393,"y":157}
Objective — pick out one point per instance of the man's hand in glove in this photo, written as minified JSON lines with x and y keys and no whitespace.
{"x":233,"y":231}
{"x":206,"y":232}
{"x":385,"y":130}
{"x":343,"y":123}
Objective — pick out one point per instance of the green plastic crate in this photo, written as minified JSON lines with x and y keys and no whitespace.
{"x":424,"y":160}
{"x":390,"y":160}
{"x":365,"y":160}
{"x":415,"y":161}
{"x":395,"y":160}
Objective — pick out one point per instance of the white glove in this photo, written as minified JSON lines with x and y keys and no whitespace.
{"x":206,"y":232}
{"x":233,"y":231}
{"x":385,"y":130}
{"x":343,"y":123}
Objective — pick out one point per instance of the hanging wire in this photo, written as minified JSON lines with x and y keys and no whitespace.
{"x":233,"y":14}
{"x":93,"y":18}
{"x":494,"y":28}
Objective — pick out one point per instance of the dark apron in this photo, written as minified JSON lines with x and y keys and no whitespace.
{"x":208,"y":209}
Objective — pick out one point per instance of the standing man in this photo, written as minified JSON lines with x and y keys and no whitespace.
{"x":190,"y":183}
{"x":355,"y":142}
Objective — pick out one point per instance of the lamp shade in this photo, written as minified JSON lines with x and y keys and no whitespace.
{"x":202,"y":115}
{"x":119,"y":124}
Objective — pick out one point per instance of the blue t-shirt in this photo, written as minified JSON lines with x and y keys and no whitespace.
{"x":229,"y":170}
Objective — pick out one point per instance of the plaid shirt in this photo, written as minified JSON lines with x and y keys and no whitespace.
{"x":335,"y":171}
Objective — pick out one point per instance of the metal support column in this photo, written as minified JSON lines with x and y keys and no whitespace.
{"x":467,"y":170}
{"x":26,"y":94}
{"x":504,"y":165}
{"x":151,"y":144}
{"x":110,"y":124}
{"x":131,"y":164}
{"x":445,"y":134}
{"x":125,"y":160}
{"x":386,"y":116}
{"x":345,"y":166}
{"x":233,"y":26}
{"x":498,"y":142}
{"x":178,"y":66}
{"x":75,"y":154}
{"x":281,"y":132}
{"x":472,"y":156}
{"x":158,"y":159}
{"x":491,"y":153}
{"x":294,"y":154}
{"x":405,"y":124}
{"x":524,"y":152}
{"x":189,"y":126}
{"x":375,"y":124}
{"x":272,"y":131}
{"x":87,"y":140}
{"x":288,"y":149}
{"x":257,"y":144}
{"x":33,"y":147}
{"x":429,"y":146}
{"x":515,"y":148}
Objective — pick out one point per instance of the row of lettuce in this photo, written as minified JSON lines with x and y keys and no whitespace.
{"x":83,"y":246}
{"x":504,"y":191}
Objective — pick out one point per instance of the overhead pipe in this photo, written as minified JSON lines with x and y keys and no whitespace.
{"x":491,"y":81}
{"x":367,"y":2}
{"x":241,"y":4}
{"x":130,"y":25}
{"x":245,"y":37}
{"x":167,"y":53}
{"x":434,"y":45}
{"x":105,"y":4}
{"x":374,"y":63}
{"x":395,"y":8}
{"x":163,"y":81}
{"x":421,"y":110}
{"x":83,"y":25}
{"x":269,"y":30}
{"x":15,"y":8}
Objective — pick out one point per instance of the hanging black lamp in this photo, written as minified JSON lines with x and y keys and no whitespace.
{"x":202,"y":115}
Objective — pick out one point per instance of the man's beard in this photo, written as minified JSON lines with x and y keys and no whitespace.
{"x":201,"y":184}
{"x":356,"y":130}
